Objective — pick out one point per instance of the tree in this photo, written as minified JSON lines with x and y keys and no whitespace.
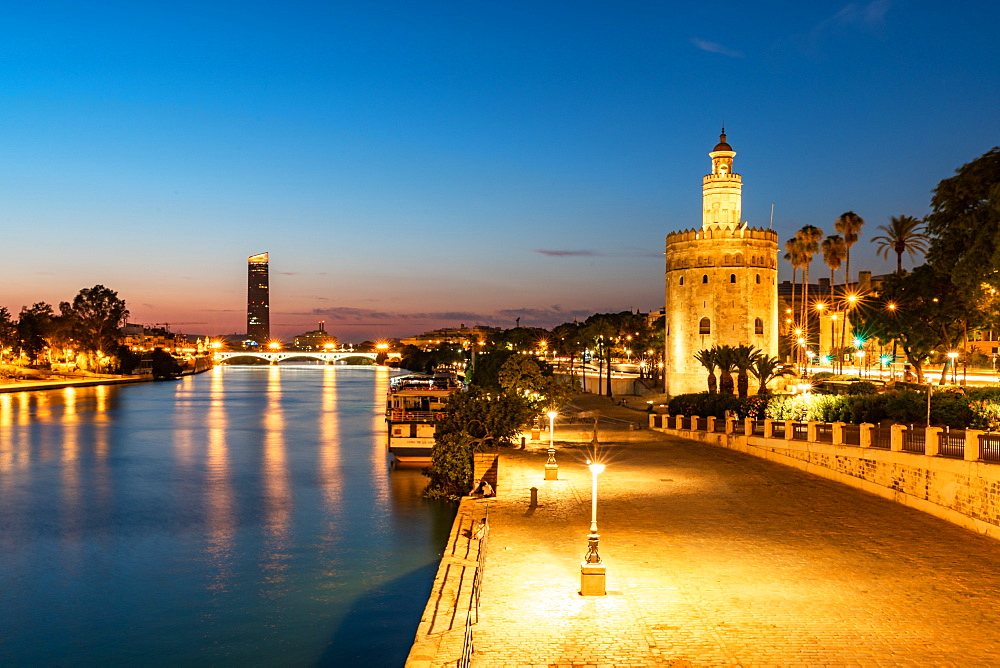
{"x":33,"y":325}
{"x":96,"y":317}
{"x":834,"y":251}
{"x":964,"y":224}
{"x":848,"y":224}
{"x":707,"y":359}
{"x":794,"y":256}
{"x":808,"y":237}
{"x":744,"y":357}
{"x":765,"y":369}
{"x":725,"y":357}
{"x":903,"y":234}
{"x":8,"y":332}
{"x":598,"y":330}
{"x":568,"y":342}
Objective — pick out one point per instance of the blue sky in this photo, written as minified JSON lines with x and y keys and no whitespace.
{"x":417,"y":165}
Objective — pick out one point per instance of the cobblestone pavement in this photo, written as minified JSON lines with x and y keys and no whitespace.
{"x":718,"y":558}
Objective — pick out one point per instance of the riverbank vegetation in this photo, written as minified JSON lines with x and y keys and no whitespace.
{"x":85,"y":332}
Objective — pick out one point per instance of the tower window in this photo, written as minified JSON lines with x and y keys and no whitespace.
{"x":704,"y":279}
{"x":758,"y":326}
{"x":758,"y":279}
{"x":682,"y":280}
{"x":705,"y":326}
{"x":732,"y":278}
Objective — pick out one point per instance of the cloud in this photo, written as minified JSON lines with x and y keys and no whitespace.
{"x":858,"y":15}
{"x":713,"y":47}
{"x":566,"y":253}
{"x":349,"y":316}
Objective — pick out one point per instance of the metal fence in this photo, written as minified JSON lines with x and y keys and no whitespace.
{"x":915,"y":440}
{"x":989,"y":447}
{"x":777,"y":429}
{"x":758,"y":428}
{"x":483,"y":535}
{"x":824,"y":432}
{"x":951,"y":443}
{"x":685,"y":422}
{"x":881,"y":438}
{"x":852,"y":434}
{"x":800,"y":431}
{"x":739,"y":426}
{"x":720,"y":426}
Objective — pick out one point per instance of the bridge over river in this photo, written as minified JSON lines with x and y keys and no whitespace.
{"x":281,"y":355}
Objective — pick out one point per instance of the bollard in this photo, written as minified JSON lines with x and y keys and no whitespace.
{"x":522,"y":442}
{"x":534,"y":497}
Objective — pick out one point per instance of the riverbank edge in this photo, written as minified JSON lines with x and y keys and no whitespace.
{"x":34,"y":385}
{"x":441,"y":630}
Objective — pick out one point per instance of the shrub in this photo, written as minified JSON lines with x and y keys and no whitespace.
{"x":985,"y":415}
{"x":861,"y":387}
{"x":704,"y":404}
{"x":906,"y":406}
{"x":951,"y":409}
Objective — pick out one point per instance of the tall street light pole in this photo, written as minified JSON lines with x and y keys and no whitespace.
{"x":592,"y":570}
{"x":551,"y":467}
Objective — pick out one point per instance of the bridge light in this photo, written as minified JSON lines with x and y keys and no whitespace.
{"x":274,"y":345}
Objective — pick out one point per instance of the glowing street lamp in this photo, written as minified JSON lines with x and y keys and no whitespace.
{"x":592,"y":570}
{"x":952,"y":356}
{"x":551,"y":468}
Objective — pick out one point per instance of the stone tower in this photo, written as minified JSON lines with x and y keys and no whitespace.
{"x":721,"y":280}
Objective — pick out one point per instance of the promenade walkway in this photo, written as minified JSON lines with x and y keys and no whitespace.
{"x":718,"y":558}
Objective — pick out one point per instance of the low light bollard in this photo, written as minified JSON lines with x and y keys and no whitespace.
{"x":865,"y":434}
{"x":932,"y":441}
{"x":897,"y":433}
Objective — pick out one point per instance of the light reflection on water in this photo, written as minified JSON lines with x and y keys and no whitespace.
{"x":246,"y":516}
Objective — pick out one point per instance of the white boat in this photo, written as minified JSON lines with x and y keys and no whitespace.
{"x":414,"y":405}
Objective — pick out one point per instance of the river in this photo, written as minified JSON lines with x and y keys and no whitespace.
{"x":247,"y":516}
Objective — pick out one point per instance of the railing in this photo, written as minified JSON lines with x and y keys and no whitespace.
{"x":685,"y":422}
{"x":800,"y":431}
{"x":777,"y":429}
{"x":699,"y":424}
{"x":989,"y":447}
{"x":881,"y":438}
{"x":720,"y":426}
{"x":758,"y":428}
{"x":739,"y":426}
{"x":852,"y":434}
{"x":951,"y":443}
{"x":398,"y":415}
{"x":483,"y":535}
{"x":915,"y":440}
{"x":824,"y":432}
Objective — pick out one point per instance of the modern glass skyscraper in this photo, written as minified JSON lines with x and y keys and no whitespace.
{"x":258,"y":316}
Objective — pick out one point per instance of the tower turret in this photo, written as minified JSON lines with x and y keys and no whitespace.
{"x":722,"y":190}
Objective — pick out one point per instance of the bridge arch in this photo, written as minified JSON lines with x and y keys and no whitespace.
{"x":275,"y":357}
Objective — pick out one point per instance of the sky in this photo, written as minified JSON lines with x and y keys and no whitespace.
{"x":410,"y":166}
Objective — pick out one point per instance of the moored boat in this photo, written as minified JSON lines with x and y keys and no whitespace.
{"x":414,"y":405}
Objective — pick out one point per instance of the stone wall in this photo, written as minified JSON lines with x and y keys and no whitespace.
{"x":966,"y":493}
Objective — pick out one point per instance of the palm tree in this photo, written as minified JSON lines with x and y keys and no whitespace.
{"x":808,"y":237}
{"x":744,"y":357}
{"x":598,"y":329}
{"x":765,"y":369}
{"x":903,"y":234}
{"x":794,"y":257}
{"x":725,"y":358}
{"x":834,"y":251}
{"x":707,"y":359}
{"x":849,"y":224}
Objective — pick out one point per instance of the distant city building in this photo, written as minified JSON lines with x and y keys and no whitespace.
{"x":258,"y":315}
{"x":721,"y":280}
{"x":316,"y":340}
{"x":142,"y":338}
{"x":462,"y":335}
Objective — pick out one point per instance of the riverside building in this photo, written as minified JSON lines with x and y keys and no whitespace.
{"x":258,"y":315}
{"x":721,"y":280}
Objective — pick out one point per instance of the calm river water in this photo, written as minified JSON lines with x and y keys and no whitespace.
{"x":245,"y":516}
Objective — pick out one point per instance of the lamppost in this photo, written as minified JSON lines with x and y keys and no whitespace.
{"x":551,"y":468}
{"x":592,"y":570}
{"x":952,"y":356}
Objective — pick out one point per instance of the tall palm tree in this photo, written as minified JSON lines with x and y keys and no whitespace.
{"x":809,"y":237}
{"x":849,"y":224}
{"x":744,"y":357}
{"x":707,"y":359}
{"x":765,"y":368}
{"x":598,"y":329}
{"x":794,"y":257}
{"x":834,"y":251}
{"x":725,"y":358}
{"x":903,"y":234}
